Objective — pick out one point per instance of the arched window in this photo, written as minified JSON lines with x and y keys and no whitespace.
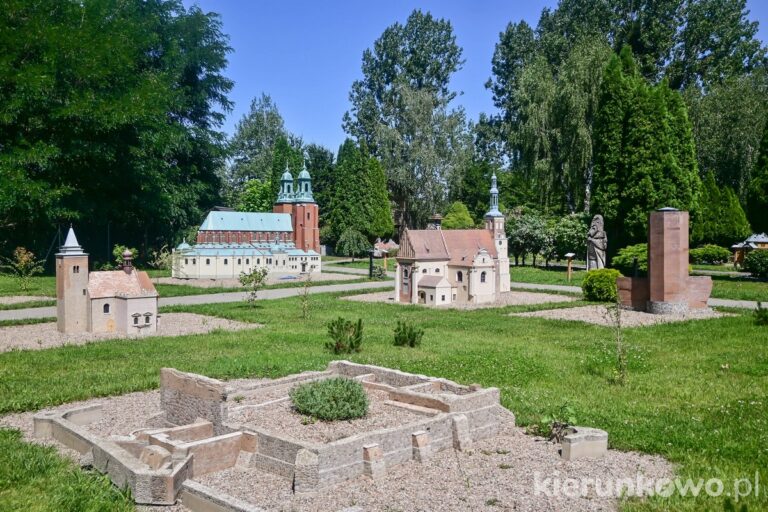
{"x":405,"y":272}
{"x":186,"y":261}
{"x":239,"y":261}
{"x":437,"y":271}
{"x":207,"y":261}
{"x":76,"y":269}
{"x":424,"y":271}
{"x":194,"y":261}
{"x":225,"y":261}
{"x":482,"y":277}
{"x":247,"y":261}
{"x":309,"y":215}
{"x":105,"y":309}
{"x":460,"y":276}
{"x":135,"y":320}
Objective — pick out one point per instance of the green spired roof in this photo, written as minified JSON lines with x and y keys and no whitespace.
{"x":247,"y":221}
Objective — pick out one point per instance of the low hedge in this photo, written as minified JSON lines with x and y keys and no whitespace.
{"x":756,"y":263}
{"x":709,"y":255}
{"x":600,"y":285}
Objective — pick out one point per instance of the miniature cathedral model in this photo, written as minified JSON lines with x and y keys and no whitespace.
{"x":286,"y":240}
{"x":119,"y":301}
{"x":439,"y":267}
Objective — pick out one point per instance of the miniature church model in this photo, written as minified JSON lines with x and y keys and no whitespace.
{"x":286,"y":240}
{"x":119,"y":301}
{"x":439,"y":267}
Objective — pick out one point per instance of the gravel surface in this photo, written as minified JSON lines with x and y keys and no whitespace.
{"x":281,"y":417}
{"x":513,"y":298}
{"x":18,"y":299}
{"x":271,"y":279}
{"x":599,"y":315}
{"x":41,"y":336}
{"x":498,"y":474}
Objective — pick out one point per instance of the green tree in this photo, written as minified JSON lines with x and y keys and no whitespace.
{"x":758,"y":188}
{"x":321,"y":168}
{"x":253,"y":144}
{"x":720,"y":219}
{"x":458,"y":217}
{"x":109,"y":114}
{"x":360,"y":198}
{"x":288,"y":153}
{"x":400,"y":109}
{"x":644,"y":155}
{"x":256,"y":196}
{"x":527,"y":233}
{"x":352,"y":243}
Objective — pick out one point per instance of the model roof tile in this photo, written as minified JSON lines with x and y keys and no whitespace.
{"x":460,"y":246}
{"x":118,"y":283}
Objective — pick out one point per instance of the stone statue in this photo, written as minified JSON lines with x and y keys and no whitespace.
{"x":597,"y":243}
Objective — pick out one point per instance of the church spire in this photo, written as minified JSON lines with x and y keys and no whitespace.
{"x":494,"y":206}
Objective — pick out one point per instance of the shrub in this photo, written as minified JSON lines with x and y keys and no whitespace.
{"x":407,"y":335}
{"x":23,"y":266}
{"x":331,"y":399}
{"x":253,"y":280}
{"x":346,"y":336}
{"x":624,"y":261}
{"x":761,"y":314}
{"x":379,"y":272}
{"x":756,"y":263}
{"x":709,"y":255}
{"x":600,"y":285}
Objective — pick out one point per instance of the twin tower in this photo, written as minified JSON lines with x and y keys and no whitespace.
{"x":301,"y":206}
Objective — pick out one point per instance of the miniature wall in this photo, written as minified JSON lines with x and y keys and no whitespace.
{"x":185,"y":397}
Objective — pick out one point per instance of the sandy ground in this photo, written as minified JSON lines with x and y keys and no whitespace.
{"x":599,"y":315}
{"x":499,"y":473}
{"x":18,"y":299}
{"x":513,"y":298}
{"x":45,"y":335}
{"x":271,"y":279}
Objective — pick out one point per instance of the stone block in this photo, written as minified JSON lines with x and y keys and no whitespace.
{"x":462,"y":437}
{"x":214,"y":453}
{"x":699,"y":290}
{"x":374,"y":465}
{"x":422,"y":450}
{"x":84,"y":415}
{"x":156,"y":457}
{"x":634,"y":292}
{"x":584,"y":442}
{"x":306,"y":474}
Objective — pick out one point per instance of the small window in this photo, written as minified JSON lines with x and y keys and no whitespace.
{"x":207,"y":261}
{"x":442,"y":298}
{"x":482,"y":277}
{"x":460,"y":276}
{"x":499,"y":242}
{"x":105,"y":309}
{"x":225,"y":261}
{"x":135,"y":320}
{"x":186,"y":261}
{"x":405,"y":272}
{"x":431,"y":297}
{"x":309,"y":215}
{"x":83,"y":291}
{"x":258,"y":261}
{"x":424,"y":271}
{"x":247,"y":261}
{"x":146,"y":319}
{"x":76,"y":269}
{"x":194,"y":261}
{"x":437,"y":271}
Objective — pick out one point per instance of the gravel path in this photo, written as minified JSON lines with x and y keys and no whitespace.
{"x":280,"y":417}
{"x":271,"y":279}
{"x":513,"y":298}
{"x":45,"y":335}
{"x":599,"y":315}
{"x":18,"y":299}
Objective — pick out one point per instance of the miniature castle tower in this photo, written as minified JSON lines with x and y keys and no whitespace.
{"x":301,"y":205}
{"x":71,"y":286}
{"x":494,"y":222}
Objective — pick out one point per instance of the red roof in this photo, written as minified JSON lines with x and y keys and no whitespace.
{"x":116,"y":283}
{"x":457,"y":245}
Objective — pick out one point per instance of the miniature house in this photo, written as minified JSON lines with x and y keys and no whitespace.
{"x":439,"y":267}
{"x":119,"y":301}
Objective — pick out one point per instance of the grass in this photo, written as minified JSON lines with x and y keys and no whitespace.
{"x":26,"y":321}
{"x":723,"y":287}
{"x":26,"y":470}
{"x":361,"y":263}
{"x":39,"y":285}
{"x":28,"y":304}
{"x":695,"y":392}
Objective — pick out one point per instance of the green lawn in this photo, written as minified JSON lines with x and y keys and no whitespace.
{"x":28,"y":304}
{"x":360,"y":263}
{"x":39,"y":285}
{"x":723,"y":287}
{"x":680,"y":399}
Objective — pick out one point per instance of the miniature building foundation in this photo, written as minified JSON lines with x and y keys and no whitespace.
{"x":421,"y":446}
{"x":584,"y":442}
{"x":373,"y":461}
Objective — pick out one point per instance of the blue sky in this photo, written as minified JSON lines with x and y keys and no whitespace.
{"x":307,"y":54}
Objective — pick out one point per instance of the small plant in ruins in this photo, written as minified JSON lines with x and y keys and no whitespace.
{"x":407,"y":335}
{"x":554,"y":426}
{"x":346,"y":336}
{"x":23,"y":266}
{"x":253,"y":281}
{"x":333,"y":399}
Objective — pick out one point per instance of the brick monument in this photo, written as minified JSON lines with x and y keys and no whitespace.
{"x":668,"y":287}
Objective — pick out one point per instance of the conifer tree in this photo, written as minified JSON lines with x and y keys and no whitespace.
{"x":758,"y":189}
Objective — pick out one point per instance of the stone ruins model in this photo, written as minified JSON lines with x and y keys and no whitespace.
{"x":287,"y":240}
{"x":668,"y":287}
{"x":120,"y":301}
{"x":597,"y":244}
{"x":439,"y":267}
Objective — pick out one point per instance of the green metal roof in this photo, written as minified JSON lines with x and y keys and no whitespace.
{"x":247,"y":221}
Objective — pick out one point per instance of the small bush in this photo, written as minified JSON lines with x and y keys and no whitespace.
{"x":756,"y":263}
{"x":761,"y":314}
{"x":331,"y":399}
{"x":407,"y":335}
{"x":709,"y":255}
{"x":600,"y":285}
{"x":379,"y":272}
{"x":624,"y":261}
{"x":346,"y":336}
